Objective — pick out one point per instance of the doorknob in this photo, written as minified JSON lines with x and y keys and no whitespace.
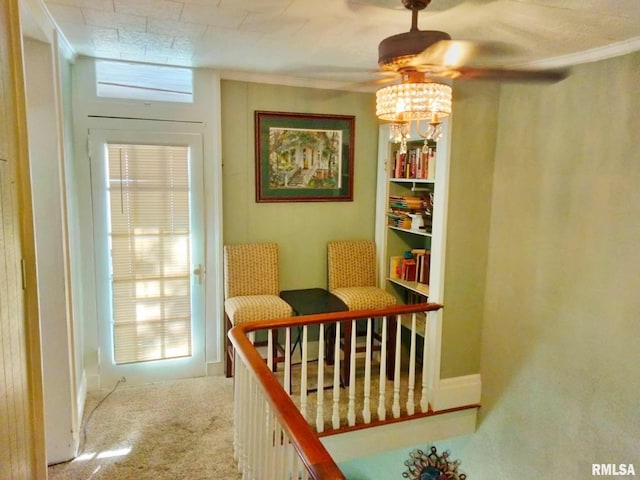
{"x":198,"y":272}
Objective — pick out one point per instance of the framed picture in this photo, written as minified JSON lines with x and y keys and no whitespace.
{"x":304,"y":157}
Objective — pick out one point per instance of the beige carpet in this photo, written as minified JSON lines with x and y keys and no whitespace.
{"x":172,"y":430}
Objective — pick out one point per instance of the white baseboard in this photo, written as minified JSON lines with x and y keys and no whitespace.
{"x":457,"y":392}
{"x":80,"y":402}
{"x":395,"y":436}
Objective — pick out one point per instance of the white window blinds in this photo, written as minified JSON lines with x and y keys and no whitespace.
{"x":149,"y":236}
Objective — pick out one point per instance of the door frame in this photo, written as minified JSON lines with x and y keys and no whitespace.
{"x":204,"y":114}
{"x":148,"y":132}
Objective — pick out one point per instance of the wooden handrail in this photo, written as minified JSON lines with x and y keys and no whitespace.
{"x":337,"y":316}
{"x":310,"y":449}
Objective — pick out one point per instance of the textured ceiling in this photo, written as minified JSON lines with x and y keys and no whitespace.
{"x":336,"y":39}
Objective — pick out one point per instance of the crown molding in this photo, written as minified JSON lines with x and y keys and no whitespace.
{"x":274,"y":79}
{"x":587,"y":56}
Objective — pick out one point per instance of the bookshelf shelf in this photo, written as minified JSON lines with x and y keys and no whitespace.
{"x":413,"y":180}
{"x":416,"y":287}
{"x":414,"y":232}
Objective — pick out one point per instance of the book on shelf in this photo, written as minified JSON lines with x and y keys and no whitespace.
{"x":408,"y":269}
{"x":417,"y":163}
{"x":423,"y":264}
{"x":395,"y":262}
{"x":408,"y":202}
{"x":398,"y":219}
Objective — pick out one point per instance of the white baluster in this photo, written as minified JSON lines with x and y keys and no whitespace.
{"x":366,"y":409}
{"x":424,"y":400}
{"x":304,"y":473}
{"x":270,"y":450}
{"x":335,"y":417}
{"x":320,"y":384}
{"x":291,"y":459}
{"x":396,"y":372}
{"x":411,"y":408}
{"x":261,"y":439}
{"x":303,"y":378}
{"x":382,"y":382}
{"x":243,"y":434}
{"x":237,"y":407}
{"x":255,"y":431}
{"x":278,"y":470}
{"x":243,"y":398}
{"x":250,"y":433}
{"x":351,"y":410}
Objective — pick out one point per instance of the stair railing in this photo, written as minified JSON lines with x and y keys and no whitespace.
{"x":277,"y":438}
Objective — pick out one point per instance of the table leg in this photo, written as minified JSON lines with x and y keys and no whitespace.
{"x":329,"y":343}
{"x":391,"y":346}
{"x":345,"y":367}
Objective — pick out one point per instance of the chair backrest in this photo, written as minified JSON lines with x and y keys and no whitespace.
{"x":351,"y":263}
{"x":251,"y":269}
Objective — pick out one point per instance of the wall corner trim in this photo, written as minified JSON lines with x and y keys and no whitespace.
{"x":457,"y":392}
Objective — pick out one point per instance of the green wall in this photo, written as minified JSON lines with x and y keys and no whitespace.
{"x":301,"y":230}
{"x":474,"y":124}
{"x":560,"y":363}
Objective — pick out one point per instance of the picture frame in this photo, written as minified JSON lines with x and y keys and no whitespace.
{"x":304,"y":157}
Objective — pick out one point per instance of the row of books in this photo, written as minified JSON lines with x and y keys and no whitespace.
{"x":413,"y":266}
{"x":408,"y":203}
{"x":415,"y":163}
{"x":398,"y":219}
{"x":401,"y":207}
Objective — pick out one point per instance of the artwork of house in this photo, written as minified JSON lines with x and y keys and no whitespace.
{"x":304,"y":158}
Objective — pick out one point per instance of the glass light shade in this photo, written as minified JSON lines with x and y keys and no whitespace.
{"x":413,"y":101}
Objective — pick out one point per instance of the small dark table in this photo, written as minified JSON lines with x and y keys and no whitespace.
{"x":309,"y":301}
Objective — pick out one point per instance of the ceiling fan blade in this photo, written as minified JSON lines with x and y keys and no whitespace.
{"x":387,"y":76}
{"x":455,"y":53}
{"x":367,"y":85}
{"x":471,"y":73}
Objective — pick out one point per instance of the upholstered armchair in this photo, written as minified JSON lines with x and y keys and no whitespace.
{"x":251,"y":288}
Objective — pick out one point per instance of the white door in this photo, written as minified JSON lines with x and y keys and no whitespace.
{"x":148,"y":207}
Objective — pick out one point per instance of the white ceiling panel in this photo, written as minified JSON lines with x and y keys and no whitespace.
{"x":338,"y":39}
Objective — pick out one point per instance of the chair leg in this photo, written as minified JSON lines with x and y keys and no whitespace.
{"x":228,"y":348}
{"x":274,"y":349}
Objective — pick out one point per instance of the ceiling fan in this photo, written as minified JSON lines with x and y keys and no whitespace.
{"x":434,"y":54}
{"x":425,"y":61}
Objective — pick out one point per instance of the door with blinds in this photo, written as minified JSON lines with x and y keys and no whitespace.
{"x":148,"y":239}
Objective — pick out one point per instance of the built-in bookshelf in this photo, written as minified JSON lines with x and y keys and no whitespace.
{"x":410,"y":218}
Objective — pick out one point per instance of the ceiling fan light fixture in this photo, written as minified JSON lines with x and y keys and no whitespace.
{"x":417,"y":101}
{"x":409,"y":102}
